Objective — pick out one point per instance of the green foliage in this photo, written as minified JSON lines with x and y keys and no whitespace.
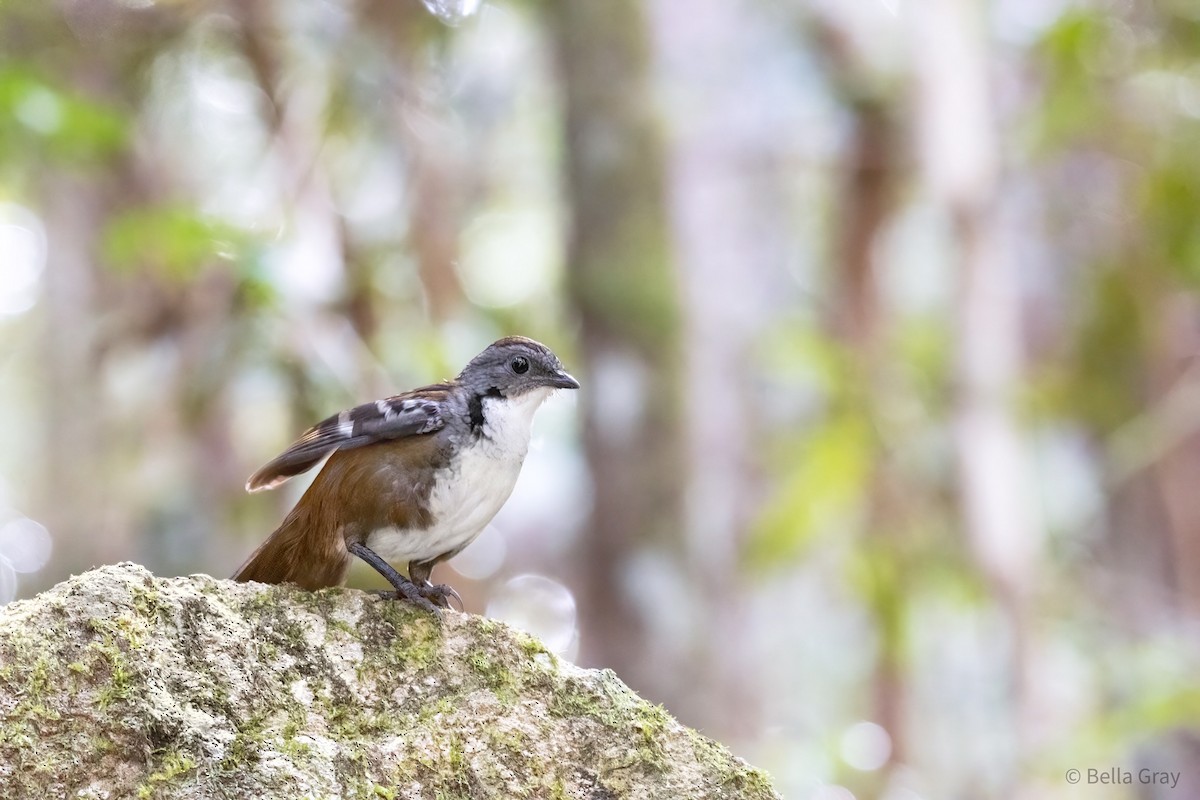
{"x":171,"y":240}
{"x":823,"y":467}
{"x":820,"y":492}
{"x":56,"y":123}
{"x":180,"y":245}
{"x":1117,"y":86}
{"x":828,"y":465}
{"x":1100,"y":388}
{"x":1168,"y":198}
{"x":1074,"y":52}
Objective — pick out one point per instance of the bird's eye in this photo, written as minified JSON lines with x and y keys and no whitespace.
{"x":520,"y":365}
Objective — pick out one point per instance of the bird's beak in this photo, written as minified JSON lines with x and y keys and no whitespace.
{"x":563,"y":380}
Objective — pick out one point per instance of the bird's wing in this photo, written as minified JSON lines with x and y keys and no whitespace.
{"x":410,"y":414}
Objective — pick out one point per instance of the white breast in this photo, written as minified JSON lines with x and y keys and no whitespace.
{"x":467,"y":494}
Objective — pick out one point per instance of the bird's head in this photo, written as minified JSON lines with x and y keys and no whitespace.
{"x":514,"y":366}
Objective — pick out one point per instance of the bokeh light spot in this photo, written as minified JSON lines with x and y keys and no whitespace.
{"x":509,"y":258}
{"x":482,"y":557}
{"x":866,"y":746}
{"x":8,"y":582}
{"x":40,"y":110}
{"x":541,"y":607}
{"x":25,"y":544}
{"x":22,"y":258}
{"x":453,"y":12}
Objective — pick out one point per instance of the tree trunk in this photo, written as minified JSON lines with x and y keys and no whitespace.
{"x":623,"y":292}
{"x":730,"y":235}
{"x":962,"y":160}
{"x":72,"y":429}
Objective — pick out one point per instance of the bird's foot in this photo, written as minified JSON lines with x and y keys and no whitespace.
{"x":429,"y":596}
{"x":413,"y":594}
{"x":439,"y":594}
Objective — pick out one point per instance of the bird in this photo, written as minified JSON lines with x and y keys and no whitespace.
{"x":412,"y":478}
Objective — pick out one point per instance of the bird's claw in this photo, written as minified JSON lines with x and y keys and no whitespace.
{"x":440,"y":593}
{"x":430,"y":597}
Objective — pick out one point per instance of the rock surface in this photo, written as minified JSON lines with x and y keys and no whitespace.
{"x":118,"y":684}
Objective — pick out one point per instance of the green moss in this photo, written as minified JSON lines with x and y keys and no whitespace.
{"x":267,"y":652}
{"x":366,"y":789}
{"x":297,"y":750}
{"x":577,"y":700}
{"x":16,"y":658}
{"x":101,"y":744}
{"x":621,"y":712}
{"x":147,"y":602}
{"x":512,"y":740}
{"x":31,"y":684}
{"x":350,"y":723}
{"x":288,"y":634}
{"x":730,"y":772}
{"x":443,"y":705}
{"x":417,"y":638}
{"x":496,"y":675}
{"x":38,"y":710}
{"x":341,"y":626}
{"x":118,"y":688}
{"x":446,"y":769}
{"x":109,"y":657}
{"x":457,"y":761}
{"x":241,"y":751}
{"x":532,"y":648}
{"x":173,"y":765}
{"x":651,"y":721}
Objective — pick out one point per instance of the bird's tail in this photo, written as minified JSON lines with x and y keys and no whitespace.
{"x":299,"y":552}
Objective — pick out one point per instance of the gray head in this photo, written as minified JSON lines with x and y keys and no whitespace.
{"x":514,"y":365}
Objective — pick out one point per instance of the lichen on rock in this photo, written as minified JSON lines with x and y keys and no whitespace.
{"x":118,"y":684}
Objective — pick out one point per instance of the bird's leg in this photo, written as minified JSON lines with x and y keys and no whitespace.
{"x":404,"y":587}
{"x":439,"y":593}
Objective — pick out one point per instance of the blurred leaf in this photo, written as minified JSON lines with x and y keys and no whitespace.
{"x":62,"y":124}
{"x":1158,"y":711}
{"x":256,"y":290}
{"x":173,"y":241}
{"x":924,"y":351}
{"x":1112,"y":732}
{"x":1109,"y":364}
{"x":876,"y":573}
{"x":798,"y":349}
{"x":1072,"y":52}
{"x":818,"y":493}
{"x":1169,"y":198}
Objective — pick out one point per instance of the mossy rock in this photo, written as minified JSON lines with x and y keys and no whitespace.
{"x":118,"y":684}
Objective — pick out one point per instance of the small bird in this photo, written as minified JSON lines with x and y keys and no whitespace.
{"x":413,"y":478}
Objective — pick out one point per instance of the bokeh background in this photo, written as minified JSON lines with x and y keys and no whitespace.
{"x":886,"y":468}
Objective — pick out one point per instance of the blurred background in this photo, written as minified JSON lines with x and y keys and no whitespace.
{"x":886,"y":466}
